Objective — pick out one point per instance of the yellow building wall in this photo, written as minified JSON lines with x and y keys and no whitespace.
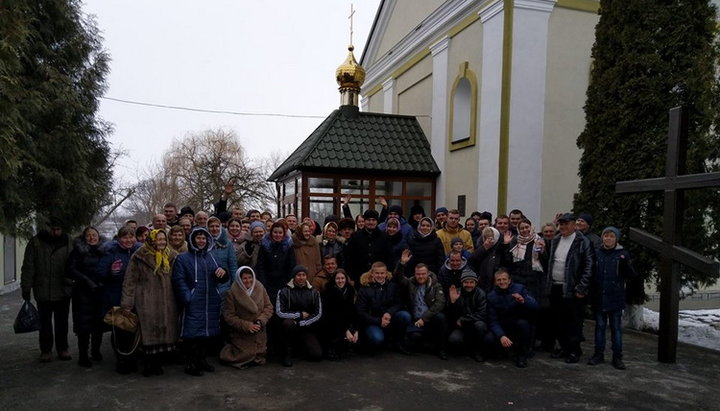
{"x":414,"y":94}
{"x":406,"y":16}
{"x":570,"y":40}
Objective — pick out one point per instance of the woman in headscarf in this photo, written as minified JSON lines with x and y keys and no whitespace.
{"x":87,"y":307}
{"x":224,"y":253}
{"x":523,"y":258}
{"x":147,"y":289}
{"x":250,"y":248}
{"x":176,"y":239}
{"x":196,"y":276}
{"x":426,"y":248}
{"x":331,"y":244}
{"x":247,"y":311}
{"x":396,"y":239}
{"x":487,"y":258}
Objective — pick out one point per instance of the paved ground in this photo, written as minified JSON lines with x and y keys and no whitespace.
{"x":387,"y":381}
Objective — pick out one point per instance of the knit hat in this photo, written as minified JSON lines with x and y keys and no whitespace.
{"x":441,"y":210}
{"x":256,"y":224}
{"x":224,"y":216}
{"x":456,"y":240}
{"x":187,"y":210}
{"x":468,"y":275}
{"x":346,"y":223}
{"x":370,"y":214}
{"x":299,"y":269}
{"x":395,"y":209}
{"x":613,"y":230}
{"x":416,"y":209}
{"x":587,"y":217}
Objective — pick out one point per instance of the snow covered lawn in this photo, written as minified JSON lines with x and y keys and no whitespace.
{"x":697,"y":327}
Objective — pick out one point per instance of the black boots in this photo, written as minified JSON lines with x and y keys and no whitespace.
{"x":152,"y":365}
{"x":83,"y":346}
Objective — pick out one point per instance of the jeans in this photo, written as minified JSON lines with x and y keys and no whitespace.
{"x":470,"y":335}
{"x":434,"y":331}
{"x":375,"y":335}
{"x":601,"y":320}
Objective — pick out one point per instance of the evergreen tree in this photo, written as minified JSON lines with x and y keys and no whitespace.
{"x":54,"y":153}
{"x":650,"y":56}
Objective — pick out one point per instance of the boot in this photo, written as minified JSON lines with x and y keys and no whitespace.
{"x":96,"y":341}
{"x":148,"y":366}
{"x":83,"y":345}
{"x":191,"y":358}
{"x":202,"y":358}
{"x":287,"y":358}
{"x":597,"y":358}
{"x":618,"y":363}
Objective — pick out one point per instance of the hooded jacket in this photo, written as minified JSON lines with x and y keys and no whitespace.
{"x":447,"y":276}
{"x":427,"y":250}
{"x":447,"y":234}
{"x":196,"y":288}
{"x":224,"y":254}
{"x":613,"y":268}
{"x":275,"y":263}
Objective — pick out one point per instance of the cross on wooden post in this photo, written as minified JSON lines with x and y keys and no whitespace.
{"x":672,"y":254}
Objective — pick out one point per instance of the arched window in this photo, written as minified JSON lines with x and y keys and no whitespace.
{"x":463,"y":109}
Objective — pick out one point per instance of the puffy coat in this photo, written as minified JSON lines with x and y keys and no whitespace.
{"x":44,"y":269}
{"x":405,"y":228}
{"x":427,"y":250}
{"x":613,"y":268}
{"x":293,"y":300}
{"x":364,"y":248}
{"x":196,"y":289}
{"x":307,"y":253}
{"x":151,"y":294}
{"x":87,"y":294}
{"x":374,"y":300}
{"x":275,"y":263}
{"x":502,"y":307}
{"x":447,"y":234}
{"x":332,"y":247}
{"x":579,"y":266}
{"x":111,"y":271}
{"x":224,"y":254}
{"x":398,"y":244}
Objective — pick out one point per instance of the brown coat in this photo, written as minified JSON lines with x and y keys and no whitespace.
{"x":239,"y":312}
{"x":307,"y":253}
{"x":320,"y":280}
{"x":151,"y":295}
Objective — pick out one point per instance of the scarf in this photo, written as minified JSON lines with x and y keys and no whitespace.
{"x":429,"y":232}
{"x":518,"y":252}
{"x":162,"y":257}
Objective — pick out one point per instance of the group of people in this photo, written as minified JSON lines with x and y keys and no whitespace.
{"x":239,"y":284}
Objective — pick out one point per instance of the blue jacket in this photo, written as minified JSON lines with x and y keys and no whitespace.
{"x":196,"y":288}
{"x":111,"y":271}
{"x":607,"y":289}
{"x":405,"y":228}
{"x":502,"y":307}
{"x":224,"y":253}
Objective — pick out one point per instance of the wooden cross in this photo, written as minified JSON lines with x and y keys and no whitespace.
{"x":672,"y":254}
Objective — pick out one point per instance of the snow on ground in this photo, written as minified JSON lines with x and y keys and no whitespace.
{"x":696,"y":327}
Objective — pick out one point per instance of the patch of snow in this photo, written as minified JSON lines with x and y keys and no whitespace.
{"x":696,"y":327}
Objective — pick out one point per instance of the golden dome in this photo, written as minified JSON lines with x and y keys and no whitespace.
{"x":350,"y":74}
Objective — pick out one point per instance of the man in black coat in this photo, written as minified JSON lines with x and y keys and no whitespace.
{"x":366,"y":246}
{"x":569,"y":271}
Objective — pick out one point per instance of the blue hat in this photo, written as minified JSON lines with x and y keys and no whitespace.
{"x":441,"y":210}
{"x":613,"y":230}
{"x":256,"y":224}
{"x":587,"y":217}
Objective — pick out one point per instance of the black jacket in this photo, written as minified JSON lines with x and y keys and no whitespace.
{"x":427,"y":250}
{"x":293,"y":300}
{"x":375,"y":299}
{"x":578,"y":266}
{"x":364,"y":248}
{"x":486,"y":262}
{"x":469,"y":308}
{"x":275,"y":264}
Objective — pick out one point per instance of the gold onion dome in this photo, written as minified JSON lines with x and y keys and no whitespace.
{"x":350,"y":74}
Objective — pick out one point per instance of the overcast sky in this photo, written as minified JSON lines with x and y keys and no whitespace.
{"x":228,"y":55}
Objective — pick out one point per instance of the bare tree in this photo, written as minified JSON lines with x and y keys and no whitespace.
{"x":194,"y":172}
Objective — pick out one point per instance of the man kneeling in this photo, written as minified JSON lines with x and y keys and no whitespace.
{"x":510,"y":310}
{"x":427,"y":301}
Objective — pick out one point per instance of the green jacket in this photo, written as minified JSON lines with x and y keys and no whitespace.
{"x":44,"y":269}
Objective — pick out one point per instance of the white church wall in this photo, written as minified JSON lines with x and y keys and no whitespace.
{"x":404,"y":18}
{"x":570,"y":38}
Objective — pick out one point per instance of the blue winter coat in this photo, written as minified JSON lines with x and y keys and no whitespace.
{"x":405,"y":228}
{"x":612,"y":268}
{"x":111,"y":272}
{"x":503,"y":308}
{"x":196,"y":288}
{"x":224,"y":253}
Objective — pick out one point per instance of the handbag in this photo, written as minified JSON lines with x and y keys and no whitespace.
{"x":126,"y":321}
{"x":28,"y":319}
{"x":122,"y":319}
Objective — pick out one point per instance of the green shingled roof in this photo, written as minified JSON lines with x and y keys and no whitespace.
{"x":352,"y":141}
